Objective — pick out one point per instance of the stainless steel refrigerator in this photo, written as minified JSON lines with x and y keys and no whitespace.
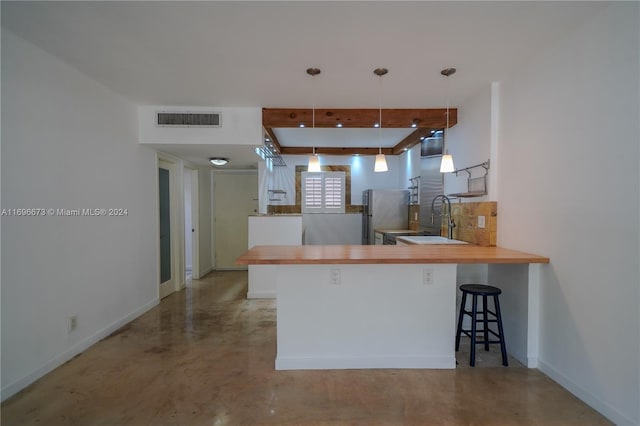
{"x":383,"y":209}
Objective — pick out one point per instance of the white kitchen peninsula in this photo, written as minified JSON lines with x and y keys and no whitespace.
{"x":386,"y":306}
{"x":284,"y":229}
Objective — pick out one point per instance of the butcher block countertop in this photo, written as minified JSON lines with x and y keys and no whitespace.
{"x":367,"y":254}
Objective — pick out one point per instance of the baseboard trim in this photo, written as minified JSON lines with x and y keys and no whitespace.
{"x":594,"y":402}
{"x":15,"y":387}
{"x":205,"y":271}
{"x":261,"y":295}
{"x":522,"y":358}
{"x":343,"y":363}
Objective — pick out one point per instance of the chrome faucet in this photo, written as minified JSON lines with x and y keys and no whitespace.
{"x":450,"y":223}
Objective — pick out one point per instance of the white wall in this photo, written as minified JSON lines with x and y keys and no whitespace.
{"x":362,"y":174}
{"x":469,"y":142}
{"x":568,"y":178}
{"x":270,"y":230}
{"x":409,"y":163}
{"x":264,"y":183}
{"x":68,"y":142}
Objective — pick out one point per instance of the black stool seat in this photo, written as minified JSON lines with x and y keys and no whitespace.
{"x":481,"y":316}
{"x":480,"y":289}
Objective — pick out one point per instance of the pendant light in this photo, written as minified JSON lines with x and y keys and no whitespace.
{"x":446,"y":165}
{"x":314,"y":161}
{"x":381,"y":161}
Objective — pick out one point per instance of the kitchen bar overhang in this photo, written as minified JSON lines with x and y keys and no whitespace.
{"x":354,"y":306}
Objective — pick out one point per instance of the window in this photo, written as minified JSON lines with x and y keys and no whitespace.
{"x":323,"y":192}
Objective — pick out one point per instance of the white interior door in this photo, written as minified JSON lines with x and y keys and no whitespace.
{"x":191,"y":227}
{"x":236,"y":197}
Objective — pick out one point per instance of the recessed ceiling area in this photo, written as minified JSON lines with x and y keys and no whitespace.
{"x":254,"y":54}
{"x":337,"y":138}
{"x":352,"y":131}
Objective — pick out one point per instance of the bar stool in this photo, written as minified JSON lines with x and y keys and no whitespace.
{"x":481,"y":290}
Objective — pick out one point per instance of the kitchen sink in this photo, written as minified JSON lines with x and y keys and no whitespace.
{"x":428,"y":239}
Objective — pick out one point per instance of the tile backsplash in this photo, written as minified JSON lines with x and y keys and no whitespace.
{"x":465,"y":216}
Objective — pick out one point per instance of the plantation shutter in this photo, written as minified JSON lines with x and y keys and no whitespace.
{"x":323,"y":192}
{"x":312,"y":192}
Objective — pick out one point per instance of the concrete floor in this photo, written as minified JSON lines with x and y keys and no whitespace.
{"x":205,"y":356}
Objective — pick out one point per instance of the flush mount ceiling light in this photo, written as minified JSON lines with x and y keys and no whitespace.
{"x":446,"y":165}
{"x":314,"y":161}
{"x":381,"y":161}
{"x":218,"y":161}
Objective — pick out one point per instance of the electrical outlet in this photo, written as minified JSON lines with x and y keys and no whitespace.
{"x":335,"y":277}
{"x":480,"y":221}
{"x":72,"y":323}
{"x":427,"y":276}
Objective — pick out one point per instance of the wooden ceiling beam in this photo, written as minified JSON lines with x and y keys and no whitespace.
{"x":425,"y":121}
{"x":272,"y":138}
{"x":432,"y":119}
{"x":301,"y":150}
{"x":410,"y":141}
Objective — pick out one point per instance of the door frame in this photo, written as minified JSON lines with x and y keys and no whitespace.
{"x":176,"y":221}
{"x":195,"y":221}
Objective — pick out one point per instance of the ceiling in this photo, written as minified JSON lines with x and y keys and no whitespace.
{"x":238,"y":53}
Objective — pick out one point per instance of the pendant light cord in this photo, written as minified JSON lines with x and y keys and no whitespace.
{"x":313,"y":111}
{"x":381,"y":162}
{"x":446,"y":129}
{"x":313,"y":72}
{"x":447,"y":72}
{"x":380,"y":115}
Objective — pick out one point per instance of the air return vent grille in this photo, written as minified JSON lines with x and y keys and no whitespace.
{"x":188,"y":119}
